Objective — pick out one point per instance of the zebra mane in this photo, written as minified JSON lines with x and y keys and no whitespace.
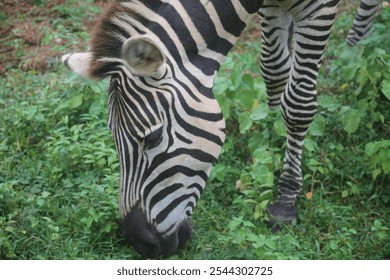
{"x":126,"y":18}
{"x":108,"y":36}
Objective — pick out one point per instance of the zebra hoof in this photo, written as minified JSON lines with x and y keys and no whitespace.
{"x":281,"y":213}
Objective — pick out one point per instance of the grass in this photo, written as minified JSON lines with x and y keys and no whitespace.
{"x":59,"y":169}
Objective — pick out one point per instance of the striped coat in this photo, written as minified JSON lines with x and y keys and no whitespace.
{"x":162,"y":57}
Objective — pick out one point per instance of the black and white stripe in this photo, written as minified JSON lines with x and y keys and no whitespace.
{"x":162,"y":57}
{"x":363,"y":21}
{"x":295,"y":35}
{"x":165,"y":175}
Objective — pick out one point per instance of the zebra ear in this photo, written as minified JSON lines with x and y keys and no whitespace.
{"x":78,"y":63}
{"x":143,"y":56}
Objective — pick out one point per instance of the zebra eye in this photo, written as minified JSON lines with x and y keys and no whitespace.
{"x":153,"y":139}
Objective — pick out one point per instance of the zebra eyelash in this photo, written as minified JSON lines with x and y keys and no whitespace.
{"x":154,"y":139}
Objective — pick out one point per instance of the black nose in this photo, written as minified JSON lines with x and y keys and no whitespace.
{"x":147,"y":241}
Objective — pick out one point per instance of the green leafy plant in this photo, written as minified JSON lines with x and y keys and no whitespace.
{"x":59,"y":168}
{"x":379,"y":154}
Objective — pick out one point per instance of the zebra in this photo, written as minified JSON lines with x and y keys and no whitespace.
{"x":363,"y":21}
{"x":162,"y":57}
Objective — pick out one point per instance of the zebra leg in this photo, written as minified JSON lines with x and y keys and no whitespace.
{"x":299,"y":102}
{"x":363,"y":21}
{"x":275,"y":60}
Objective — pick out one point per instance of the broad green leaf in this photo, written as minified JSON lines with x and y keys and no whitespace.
{"x":95,"y":109}
{"x":258,"y":212}
{"x":235,"y":222}
{"x":107,"y":228}
{"x":245,"y":178}
{"x":217,"y":172}
{"x":245,"y":96}
{"x":221,"y":84}
{"x":96,"y":88}
{"x":248,"y":81}
{"x":328,"y":102}
{"x":351,"y":121}
{"x":266,"y":195}
{"x":386,"y":166}
{"x":385,"y":86}
{"x":248,"y":224}
{"x":45,"y":194}
{"x":363,"y":76}
{"x":257,"y":141}
{"x":377,"y":225}
{"x":384,"y":155}
{"x":262,"y":175}
{"x":371,"y":148}
{"x":280,"y":128}
{"x":262,"y":156}
{"x":264,"y":204}
{"x":350,"y":71}
{"x":75,"y":101}
{"x":40,"y":201}
{"x":317,"y":127}
{"x":344,"y":194}
{"x":375,"y":173}
{"x":309,"y":144}
{"x":260,"y":113}
{"x":245,"y":122}
{"x":353,"y":231}
{"x":225,"y":105}
{"x":236,"y":77}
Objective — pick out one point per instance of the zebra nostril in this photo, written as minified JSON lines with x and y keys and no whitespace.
{"x":147,"y":245}
{"x":176,"y":240}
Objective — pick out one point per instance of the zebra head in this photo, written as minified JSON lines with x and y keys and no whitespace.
{"x":168,"y":130}
{"x":162,"y":58}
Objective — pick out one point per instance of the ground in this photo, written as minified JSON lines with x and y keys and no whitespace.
{"x":25,"y":25}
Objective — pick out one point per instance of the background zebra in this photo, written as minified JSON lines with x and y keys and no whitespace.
{"x":363,"y":21}
{"x":162,"y":58}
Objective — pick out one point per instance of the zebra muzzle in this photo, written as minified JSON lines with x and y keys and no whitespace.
{"x":148,"y":242}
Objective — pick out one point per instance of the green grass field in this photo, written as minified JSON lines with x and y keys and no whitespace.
{"x":59,"y":169}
